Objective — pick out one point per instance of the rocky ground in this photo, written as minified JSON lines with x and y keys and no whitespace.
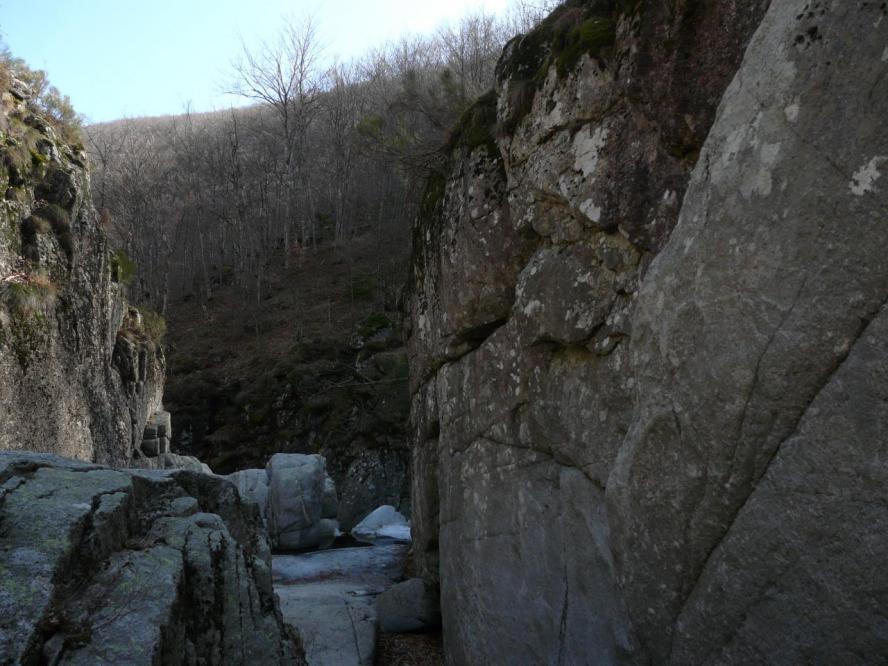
{"x":330,"y":596}
{"x":101,"y":565}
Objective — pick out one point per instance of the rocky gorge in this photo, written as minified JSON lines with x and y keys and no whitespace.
{"x":645,"y":331}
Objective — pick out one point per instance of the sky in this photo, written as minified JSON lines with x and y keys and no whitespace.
{"x":125,"y":58}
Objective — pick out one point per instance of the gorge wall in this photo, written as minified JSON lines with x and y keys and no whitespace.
{"x":645,"y":334}
{"x":79,"y":376}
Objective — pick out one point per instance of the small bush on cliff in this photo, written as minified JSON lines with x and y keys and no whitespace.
{"x":153,"y":325}
{"x":35,"y":225}
{"x":21,"y":156}
{"x":47,"y":99}
{"x":476,"y":125}
{"x":27,"y":294}
{"x":123,"y":269}
{"x":141,"y":324}
{"x":592,"y":36}
{"x":57,"y":217}
{"x":375,"y":321}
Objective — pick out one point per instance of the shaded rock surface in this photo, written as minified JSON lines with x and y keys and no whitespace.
{"x":102,"y":566}
{"x":639,"y":445}
{"x":412,"y":605}
{"x":751,"y":487}
{"x":78,"y":375}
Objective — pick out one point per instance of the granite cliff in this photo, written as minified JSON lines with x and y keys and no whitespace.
{"x":644,"y":327}
{"x":79,"y":373}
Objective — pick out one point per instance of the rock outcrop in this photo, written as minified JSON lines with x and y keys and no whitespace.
{"x":633,"y":444}
{"x":102,"y":566}
{"x":79,"y":376}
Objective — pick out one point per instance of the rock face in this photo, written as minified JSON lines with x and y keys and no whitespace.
{"x":751,"y":488}
{"x":78,"y":375}
{"x":156,"y":436}
{"x":296,"y":498}
{"x":104,"y":566}
{"x":629,"y":459}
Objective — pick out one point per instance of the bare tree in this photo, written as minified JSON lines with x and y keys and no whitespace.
{"x":284,"y":75}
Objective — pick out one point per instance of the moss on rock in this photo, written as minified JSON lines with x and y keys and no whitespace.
{"x":475,"y":128}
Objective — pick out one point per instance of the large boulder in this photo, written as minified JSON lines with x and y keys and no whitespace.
{"x":384,"y":523}
{"x":296,"y":497}
{"x":412,"y":605}
{"x":138,"y":567}
{"x":252,"y":484}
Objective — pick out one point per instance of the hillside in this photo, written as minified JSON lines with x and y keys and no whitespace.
{"x":316,"y":366}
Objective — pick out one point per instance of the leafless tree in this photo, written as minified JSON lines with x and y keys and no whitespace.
{"x":285,"y":76}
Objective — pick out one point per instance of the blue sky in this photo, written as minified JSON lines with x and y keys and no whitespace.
{"x":118,"y":58}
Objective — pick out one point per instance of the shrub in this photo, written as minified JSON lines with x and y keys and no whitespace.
{"x":592,"y":36}
{"x":363,"y":286}
{"x":476,"y":125}
{"x":123,"y":269}
{"x":51,"y":103}
{"x":35,"y":225}
{"x":57,"y":217}
{"x":375,"y":321}
{"x":28,"y":296}
{"x":153,"y":325}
